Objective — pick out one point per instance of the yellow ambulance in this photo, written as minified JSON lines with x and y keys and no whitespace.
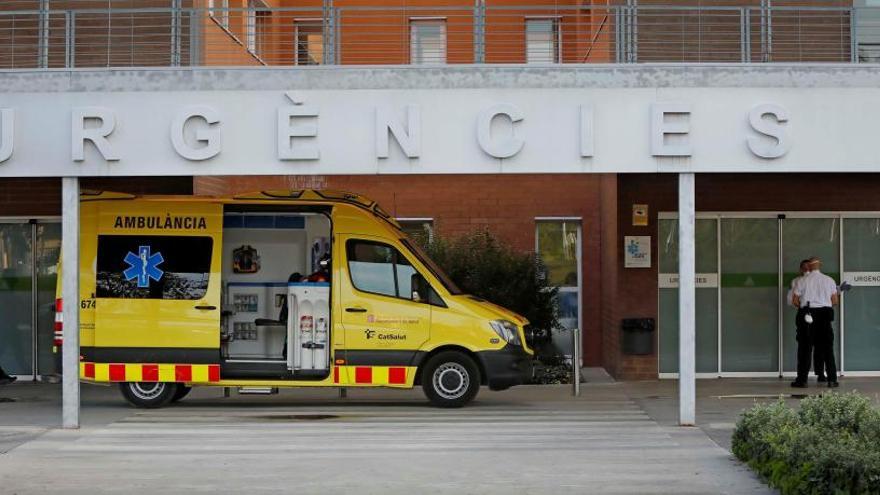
{"x":277,"y":289}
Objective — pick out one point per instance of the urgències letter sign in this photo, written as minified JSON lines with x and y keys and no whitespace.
{"x":424,"y":131}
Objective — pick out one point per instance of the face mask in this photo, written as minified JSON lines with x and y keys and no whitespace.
{"x":808,"y":318}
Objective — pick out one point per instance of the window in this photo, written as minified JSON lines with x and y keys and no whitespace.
{"x":427,"y":42}
{"x":257,"y":26}
{"x":219,"y":11}
{"x":420,"y":230}
{"x":380,"y":269}
{"x":153,"y":266}
{"x":558,"y":243}
{"x":865,"y":29}
{"x":542,"y":41}
{"x":309,"y":38}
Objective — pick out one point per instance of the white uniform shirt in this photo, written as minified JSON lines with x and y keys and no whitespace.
{"x":816,"y":289}
{"x":795,"y":283}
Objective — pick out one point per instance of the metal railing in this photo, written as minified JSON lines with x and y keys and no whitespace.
{"x":336,"y":33}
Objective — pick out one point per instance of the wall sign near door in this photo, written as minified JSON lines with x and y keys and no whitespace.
{"x":637,"y":251}
{"x":703,"y":280}
{"x":640,"y":215}
{"x":862,"y":279}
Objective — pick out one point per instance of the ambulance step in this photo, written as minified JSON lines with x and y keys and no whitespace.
{"x":257,"y":390}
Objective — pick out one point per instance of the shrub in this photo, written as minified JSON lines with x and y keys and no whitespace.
{"x":829,"y":446}
{"x":484,"y":267}
{"x":755,"y":434}
{"x":836,"y":411}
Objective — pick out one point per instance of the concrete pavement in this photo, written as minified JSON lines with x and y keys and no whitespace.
{"x":525,"y":440}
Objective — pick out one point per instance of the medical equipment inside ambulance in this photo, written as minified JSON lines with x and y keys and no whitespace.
{"x":276,"y":321}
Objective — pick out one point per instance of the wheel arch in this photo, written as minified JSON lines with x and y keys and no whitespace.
{"x":450,"y":347}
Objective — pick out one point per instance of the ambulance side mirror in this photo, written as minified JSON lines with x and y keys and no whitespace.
{"x":419,"y":287}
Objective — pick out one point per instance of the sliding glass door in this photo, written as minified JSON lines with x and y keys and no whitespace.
{"x":707,"y":295}
{"x":29,"y":252}
{"x":803,"y":238}
{"x":749,"y":295}
{"x":748,"y":328}
{"x":861,"y":304}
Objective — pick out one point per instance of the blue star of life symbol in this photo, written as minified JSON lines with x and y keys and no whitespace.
{"x":633,"y":248}
{"x":143,"y":266}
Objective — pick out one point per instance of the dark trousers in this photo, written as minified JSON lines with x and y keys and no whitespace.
{"x":815,"y":343}
{"x":818,"y":365}
{"x":805,"y":346}
{"x":823,"y":340}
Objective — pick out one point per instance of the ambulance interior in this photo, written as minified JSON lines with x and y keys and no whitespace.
{"x":275,"y":315}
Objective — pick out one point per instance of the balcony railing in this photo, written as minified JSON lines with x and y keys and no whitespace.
{"x":476,"y":33}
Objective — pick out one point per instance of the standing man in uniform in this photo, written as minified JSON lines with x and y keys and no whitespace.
{"x":805,"y":345}
{"x":804,"y":340}
{"x":817,"y":295}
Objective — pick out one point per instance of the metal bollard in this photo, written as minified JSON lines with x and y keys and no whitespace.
{"x":576,"y":362}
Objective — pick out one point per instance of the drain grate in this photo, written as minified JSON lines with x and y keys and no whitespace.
{"x":296,"y":417}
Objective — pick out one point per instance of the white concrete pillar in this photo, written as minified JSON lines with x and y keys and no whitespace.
{"x":687,"y":296}
{"x":70,"y":301}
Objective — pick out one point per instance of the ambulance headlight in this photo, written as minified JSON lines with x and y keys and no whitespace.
{"x":507,"y":330}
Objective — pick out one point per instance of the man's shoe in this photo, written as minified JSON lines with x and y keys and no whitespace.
{"x":833,"y":384}
{"x":797,"y":384}
{"x":821,"y":378}
{"x":6,"y":380}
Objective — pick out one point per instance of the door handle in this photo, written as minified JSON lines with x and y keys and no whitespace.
{"x":206,"y":308}
{"x":355,"y":310}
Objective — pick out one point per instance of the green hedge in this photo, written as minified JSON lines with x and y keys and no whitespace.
{"x":830,"y":446}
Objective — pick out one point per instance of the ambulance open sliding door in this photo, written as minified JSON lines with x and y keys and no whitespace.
{"x":158,"y":282}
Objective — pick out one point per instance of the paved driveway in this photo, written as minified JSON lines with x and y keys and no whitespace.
{"x":526,"y":440}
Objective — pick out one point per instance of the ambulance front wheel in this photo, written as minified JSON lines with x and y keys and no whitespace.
{"x":450,"y":379}
{"x":148,"y":395}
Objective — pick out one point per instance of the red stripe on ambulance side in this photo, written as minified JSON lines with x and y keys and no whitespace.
{"x":183,"y":373}
{"x":89,"y":370}
{"x":396,"y":376}
{"x":213,"y":373}
{"x":336,"y":374}
{"x":150,"y":372}
{"x":363,"y":374}
{"x":117,"y":372}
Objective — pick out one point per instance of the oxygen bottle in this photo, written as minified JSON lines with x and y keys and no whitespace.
{"x":306,"y":335}
{"x":319,"y":349}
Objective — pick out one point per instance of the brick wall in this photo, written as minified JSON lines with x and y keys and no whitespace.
{"x":42,"y":197}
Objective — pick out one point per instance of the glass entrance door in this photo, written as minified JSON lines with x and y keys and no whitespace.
{"x":803,"y":238}
{"x":16,"y":298}
{"x":861,"y":310}
{"x":749,"y":295}
{"x":28,"y":256}
{"x":759,"y":257}
{"x":558,"y":242}
{"x":707,"y":295}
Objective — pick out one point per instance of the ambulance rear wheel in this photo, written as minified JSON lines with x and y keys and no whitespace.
{"x":450,"y":379}
{"x":148,"y":395}
{"x":182,"y":391}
